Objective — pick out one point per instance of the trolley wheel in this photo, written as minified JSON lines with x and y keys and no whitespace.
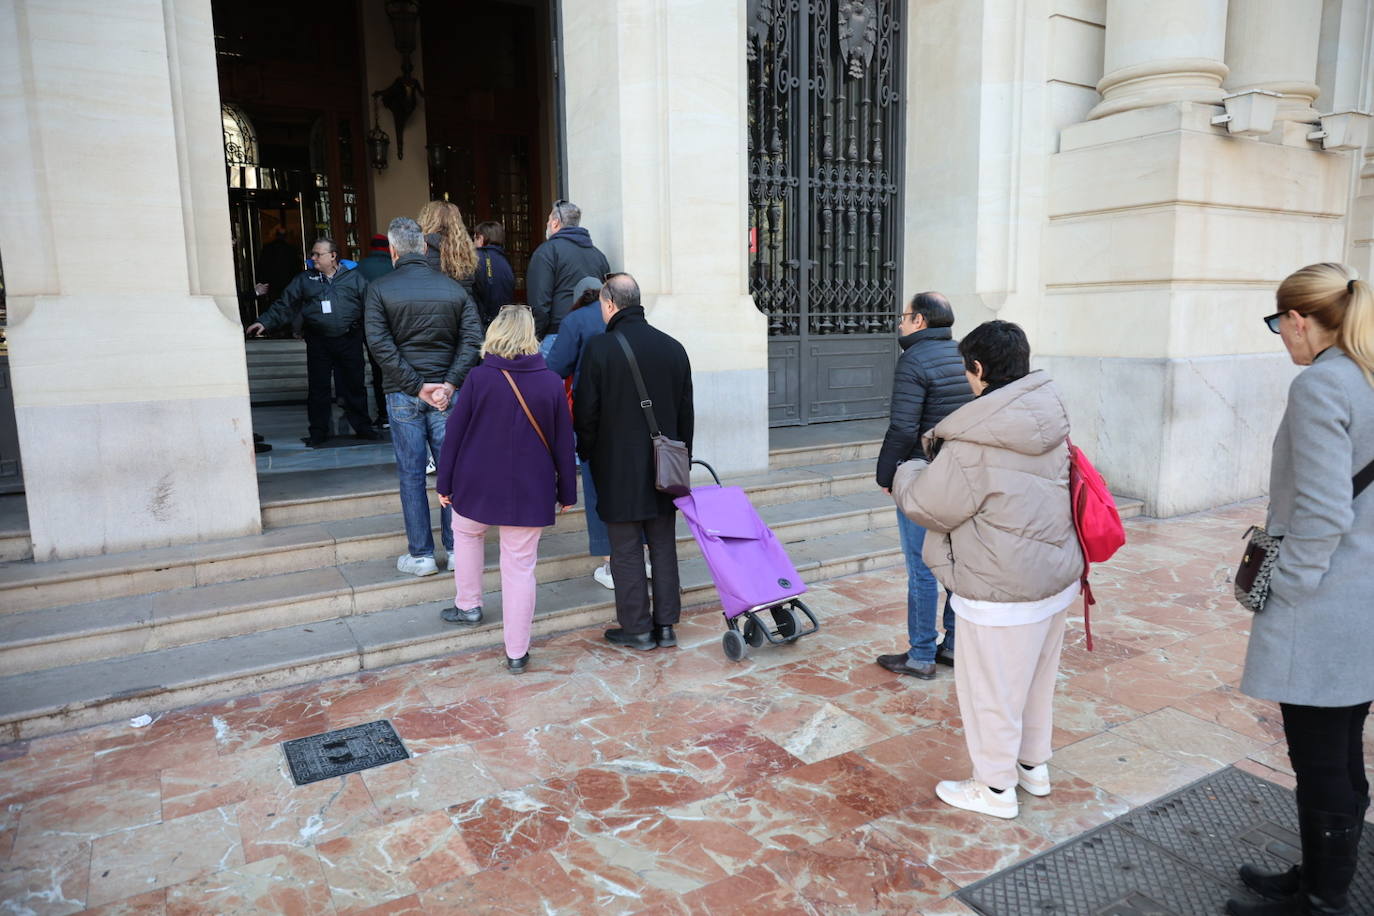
{"x":789,"y":623}
{"x":753,"y":633}
{"x":733,"y":644}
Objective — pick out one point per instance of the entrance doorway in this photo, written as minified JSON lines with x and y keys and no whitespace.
{"x":825,"y":221}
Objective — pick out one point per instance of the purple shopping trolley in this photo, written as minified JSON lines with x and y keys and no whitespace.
{"x":750,"y":568}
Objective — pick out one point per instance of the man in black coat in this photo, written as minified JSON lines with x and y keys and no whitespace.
{"x":493,"y":285}
{"x":328,"y":300}
{"x":556,"y":267}
{"x":424,"y":330}
{"x":613,"y":435}
{"x":928,"y":386}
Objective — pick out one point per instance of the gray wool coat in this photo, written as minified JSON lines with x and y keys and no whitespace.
{"x":1313,"y":644}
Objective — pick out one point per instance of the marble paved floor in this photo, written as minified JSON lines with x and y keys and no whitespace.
{"x":666,"y":782}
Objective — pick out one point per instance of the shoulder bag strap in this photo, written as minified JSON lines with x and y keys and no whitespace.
{"x":644,"y":402}
{"x":521,"y":398}
{"x":1363,"y":479}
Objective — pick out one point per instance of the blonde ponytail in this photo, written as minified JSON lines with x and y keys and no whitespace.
{"x":1356,"y":335}
{"x":1336,"y":298}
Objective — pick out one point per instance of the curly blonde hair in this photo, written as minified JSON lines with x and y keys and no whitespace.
{"x":457,"y":256}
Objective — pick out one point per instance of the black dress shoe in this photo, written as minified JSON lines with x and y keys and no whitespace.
{"x":641,"y":641}
{"x":314,"y":441}
{"x":517,"y":665}
{"x":899,"y":664}
{"x":257,"y":437}
{"x":369,"y":434}
{"x":665,"y":637}
{"x":944,"y":655}
{"x":260,"y":447}
{"x":458,"y":615}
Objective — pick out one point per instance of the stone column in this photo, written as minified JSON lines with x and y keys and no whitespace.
{"x":1273,"y":46}
{"x":1162,"y":51}
{"x":131,"y":393}
{"x":655,"y":99}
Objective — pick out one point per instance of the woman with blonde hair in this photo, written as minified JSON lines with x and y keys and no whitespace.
{"x":507,"y":456}
{"x":450,"y":248}
{"x":1312,"y":644}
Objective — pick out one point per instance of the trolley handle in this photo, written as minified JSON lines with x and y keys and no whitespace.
{"x":709,"y":468}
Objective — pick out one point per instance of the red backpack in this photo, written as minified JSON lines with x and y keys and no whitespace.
{"x":1095,"y":519}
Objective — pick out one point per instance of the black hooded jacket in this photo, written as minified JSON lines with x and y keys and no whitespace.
{"x":928,"y":386}
{"x":422,"y":327}
{"x":555,"y":267}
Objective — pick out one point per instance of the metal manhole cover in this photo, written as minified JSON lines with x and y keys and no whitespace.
{"x":1176,"y":856}
{"x":346,"y":750}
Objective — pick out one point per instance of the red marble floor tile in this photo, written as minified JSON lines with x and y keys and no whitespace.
{"x":286,"y":817}
{"x":271,"y":719}
{"x":290,"y":884}
{"x":729,"y":758}
{"x":1225,"y":644}
{"x":864,"y":872}
{"x":639,"y":863}
{"x":91,"y":811}
{"x":852,"y":780}
{"x":1080,"y":713}
{"x":1147,"y":687}
{"x":727,"y":845}
{"x":829,"y":675}
{"x":754,"y":890}
{"x":435,"y":727}
{"x":1278,"y":777}
{"x":177,"y":738}
{"x":409,"y":905}
{"x":223,"y":780}
{"x":535,"y":884}
{"x":129,"y":862}
{"x":49,"y":766}
{"x":963,"y":846}
{"x":1073,"y":806}
{"x":514,"y":824}
{"x":371,"y":867}
{"x":922,"y":758}
{"x":48,"y":877}
{"x":376,"y":696}
{"x":901,"y":704}
{"x":814,"y":729}
{"x":775,"y":816}
{"x":533,"y":755}
{"x":153,"y":903}
{"x":1076,"y":659}
{"x":648,"y":726}
{"x":7,"y":842}
{"x":428,"y":782}
{"x":629,"y":787}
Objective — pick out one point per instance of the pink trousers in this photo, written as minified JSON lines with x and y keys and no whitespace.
{"x":519,"y":552}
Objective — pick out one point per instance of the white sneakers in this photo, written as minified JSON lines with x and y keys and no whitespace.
{"x":416,"y":566}
{"x":602,"y":573}
{"x":1036,"y":780}
{"x":972,"y":795}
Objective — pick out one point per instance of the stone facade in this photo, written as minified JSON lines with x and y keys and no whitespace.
{"x":1062,"y":171}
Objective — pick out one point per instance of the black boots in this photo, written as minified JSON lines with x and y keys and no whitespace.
{"x":1330,"y":853}
{"x":641,"y":641}
{"x":665,"y":637}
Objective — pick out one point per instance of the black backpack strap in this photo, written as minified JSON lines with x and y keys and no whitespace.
{"x":644,"y":401}
{"x":1363,"y":479}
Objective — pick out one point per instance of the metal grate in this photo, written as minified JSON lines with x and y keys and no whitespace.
{"x":346,"y":750}
{"x":1174,"y":857}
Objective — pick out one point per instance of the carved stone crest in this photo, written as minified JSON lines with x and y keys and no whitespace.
{"x":858,"y":34}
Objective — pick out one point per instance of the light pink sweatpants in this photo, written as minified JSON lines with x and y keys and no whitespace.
{"x":519,"y":552}
{"x":1005,"y":679}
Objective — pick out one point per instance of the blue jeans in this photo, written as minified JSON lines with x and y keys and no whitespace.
{"x":417,"y":430}
{"x":922,"y":596}
{"x":598,"y":538}
{"x":546,"y":345}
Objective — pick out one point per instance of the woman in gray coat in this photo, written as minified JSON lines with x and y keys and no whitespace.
{"x":1312,"y":646}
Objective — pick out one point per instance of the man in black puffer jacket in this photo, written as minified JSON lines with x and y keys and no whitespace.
{"x":556,"y":267}
{"x":424,"y":330}
{"x":928,"y":386}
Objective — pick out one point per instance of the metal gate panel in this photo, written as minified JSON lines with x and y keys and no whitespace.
{"x":826,"y":129}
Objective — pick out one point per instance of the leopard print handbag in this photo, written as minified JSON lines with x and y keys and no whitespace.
{"x":1256,"y":568}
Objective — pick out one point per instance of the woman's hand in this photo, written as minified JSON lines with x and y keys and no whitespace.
{"x":445,"y":501}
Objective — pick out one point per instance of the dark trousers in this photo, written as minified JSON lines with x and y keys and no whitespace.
{"x":627,"y":568}
{"x":1325,"y":745}
{"x":340,"y":359}
{"x":378,"y":391}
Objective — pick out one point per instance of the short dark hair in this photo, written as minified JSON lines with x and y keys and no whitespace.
{"x":934,"y":308}
{"x":492,"y":231}
{"x":1002,"y":349}
{"x":621,"y":290}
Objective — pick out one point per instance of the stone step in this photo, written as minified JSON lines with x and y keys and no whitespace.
{"x":46,"y":637}
{"x":42,"y":702}
{"x":308,"y":531}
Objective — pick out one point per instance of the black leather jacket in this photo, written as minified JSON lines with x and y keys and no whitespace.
{"x":306,"y":294}
{"x":422,"y":327}
{"x":928,"y":386}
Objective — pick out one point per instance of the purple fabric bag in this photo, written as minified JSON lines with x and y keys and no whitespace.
{"x":747,"y":561}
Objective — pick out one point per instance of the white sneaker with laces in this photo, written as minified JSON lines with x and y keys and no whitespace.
{"x":972,"y":795}
{"x":416,"y":566}
{"x":602,"y":574}
{"x":1036,"y":780}
{"x":429,"y":467}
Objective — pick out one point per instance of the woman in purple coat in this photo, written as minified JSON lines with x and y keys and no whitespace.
{"x":507,"y":457}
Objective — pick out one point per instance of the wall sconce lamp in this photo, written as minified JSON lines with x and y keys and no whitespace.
{"x":377,"y":142}
{"x":1342,"y":130}
{"x":1249,"y":113}
{"x":403,"y":96}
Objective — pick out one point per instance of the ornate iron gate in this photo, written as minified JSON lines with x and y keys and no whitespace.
{"x":826,"y":129}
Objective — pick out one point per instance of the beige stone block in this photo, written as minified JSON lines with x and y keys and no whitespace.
{"x":1094,"y":11}
{"x":1076,"y":49}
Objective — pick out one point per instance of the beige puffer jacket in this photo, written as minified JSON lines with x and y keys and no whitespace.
{"x":996,"y":497}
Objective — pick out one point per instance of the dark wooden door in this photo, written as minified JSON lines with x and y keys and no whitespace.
{"x":826,"y":143}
